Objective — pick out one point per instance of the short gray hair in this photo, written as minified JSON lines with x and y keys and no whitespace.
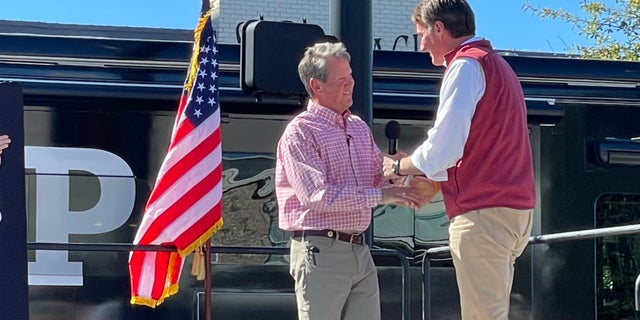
{"x":313,"y":64}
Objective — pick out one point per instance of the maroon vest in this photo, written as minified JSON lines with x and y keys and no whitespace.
{"x":496,"y":168}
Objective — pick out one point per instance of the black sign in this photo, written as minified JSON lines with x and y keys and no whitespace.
{"x":13,"y":221}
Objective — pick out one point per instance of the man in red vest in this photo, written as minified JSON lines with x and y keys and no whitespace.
{"x":479,"y":152}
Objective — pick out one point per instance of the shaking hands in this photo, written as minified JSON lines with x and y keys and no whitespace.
{"x":423,"y":189}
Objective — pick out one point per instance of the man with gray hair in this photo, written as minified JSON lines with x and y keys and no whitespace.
{"x":328,"y":177}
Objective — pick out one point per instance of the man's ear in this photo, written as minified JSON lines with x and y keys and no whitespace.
{"x":438,"y":26}
{"x":315,"y":85}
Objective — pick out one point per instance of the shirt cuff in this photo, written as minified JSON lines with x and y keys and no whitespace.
{"x":416,"y":157}
{"x":373,"y":196}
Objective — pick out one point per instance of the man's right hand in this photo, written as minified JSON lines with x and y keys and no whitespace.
{"x":387,"y":166}
{"x":400,"y":195}
{"x":425,"y":187}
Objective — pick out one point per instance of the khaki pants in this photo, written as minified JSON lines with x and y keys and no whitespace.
{"x":484,"y":245}
{"x":338,"y":281}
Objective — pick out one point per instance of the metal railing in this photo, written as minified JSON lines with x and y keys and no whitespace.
{"x":406,"y":297}
{"x":540,"y":239}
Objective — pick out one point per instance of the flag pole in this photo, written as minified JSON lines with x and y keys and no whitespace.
{"x":207,"y":279}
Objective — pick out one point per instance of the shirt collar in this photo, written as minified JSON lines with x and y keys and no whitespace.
{"x":328,"y":114}
{"x":472,"y":39}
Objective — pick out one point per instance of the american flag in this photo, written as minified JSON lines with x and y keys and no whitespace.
{"x":184,"y":207}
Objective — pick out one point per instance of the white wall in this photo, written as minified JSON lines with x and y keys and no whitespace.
{"x":391,"y":18}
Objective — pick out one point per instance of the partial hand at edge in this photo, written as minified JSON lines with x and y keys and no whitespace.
{"x":4,"y":142}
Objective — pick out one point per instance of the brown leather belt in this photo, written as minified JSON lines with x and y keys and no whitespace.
{"x":353,"y":238}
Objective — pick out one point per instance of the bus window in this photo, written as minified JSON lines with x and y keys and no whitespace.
{"x":617,"y":257}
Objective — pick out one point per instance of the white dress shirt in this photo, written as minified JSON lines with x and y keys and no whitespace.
{"x":463,"y":85}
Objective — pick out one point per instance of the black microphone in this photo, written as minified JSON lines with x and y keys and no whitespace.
{"x":392,"y":131}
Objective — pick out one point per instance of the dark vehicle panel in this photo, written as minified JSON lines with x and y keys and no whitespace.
{"x":105,"y":97}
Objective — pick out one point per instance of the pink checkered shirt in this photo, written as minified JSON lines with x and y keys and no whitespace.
{"x":328,"y":172}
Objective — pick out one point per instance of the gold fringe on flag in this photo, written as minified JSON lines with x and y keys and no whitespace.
{"x":198,"y":267}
